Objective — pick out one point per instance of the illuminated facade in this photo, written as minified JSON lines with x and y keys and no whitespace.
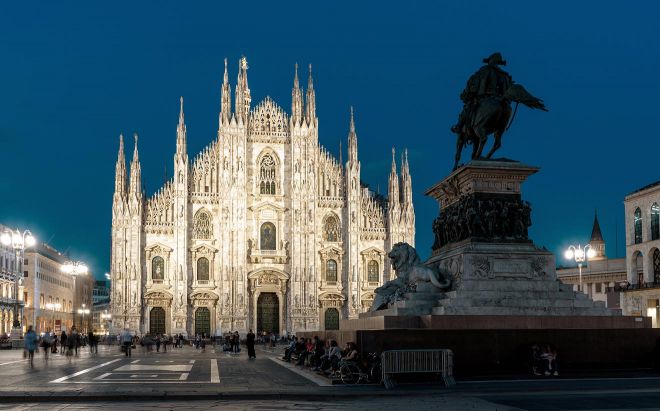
{"x":264,"y":229}
{"x":642,"y":292}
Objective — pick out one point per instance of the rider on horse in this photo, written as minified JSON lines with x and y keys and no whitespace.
{"x":489,"y":81}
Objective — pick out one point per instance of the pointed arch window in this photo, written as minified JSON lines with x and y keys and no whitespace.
{"x":157,"y":268}
{"x":202,"y":225}
{"x":331,"y":271}
{"x":268,"y":237}
{"x":638,"y":225}
{"x":203,"y":269}
{"x":267,"y":175}
{"x":331,"y":228}
{"x":655,"y":221}
{"x":372,"y":271}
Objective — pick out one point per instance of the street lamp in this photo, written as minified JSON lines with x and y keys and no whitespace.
{"x":18,"y":241}
{"x":74,"y":268}
{"x":580,"y":255}
{"x":54,"y":307}
{"x":83,"y":311}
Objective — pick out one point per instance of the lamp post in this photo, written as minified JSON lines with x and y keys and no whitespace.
{"x":580,"y":255}
{"x":74,"y":268}
{"x":54,"y":307}
{"x":83,"y":311}
{"x":18,"y":241}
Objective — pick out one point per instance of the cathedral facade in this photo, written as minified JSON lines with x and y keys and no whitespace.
{"x":263,"y":229}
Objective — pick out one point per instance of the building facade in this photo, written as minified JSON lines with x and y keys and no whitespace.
{"x":9,"y":267}
{"x":601,"y":276}
{"x":642,"y":292}
{"x":101,"y":307}
{"x":50,"y":299}
{"x":264,"y":229}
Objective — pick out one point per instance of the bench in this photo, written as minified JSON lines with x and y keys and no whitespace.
{"x":437,"y":361}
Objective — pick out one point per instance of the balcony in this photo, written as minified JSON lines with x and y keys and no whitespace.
{"x":268,"y":256}
{"x":635,"y":287}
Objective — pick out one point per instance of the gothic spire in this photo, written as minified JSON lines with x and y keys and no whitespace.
{"x":120,"y":170}
{"x":393,"y":189}
{"x":136,"y":173}
{"x":225,"y":104}
{"x":296,"y":99}
{"x":597,"y":243}
{"x":181,"y":149}
{"x":406,"y":181}
{"x":352,"y":140}
{"x":311,"y":99}
{"x":595,"y":231}
{"x":243,"y":98}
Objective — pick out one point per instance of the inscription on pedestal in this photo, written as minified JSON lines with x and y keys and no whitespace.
{"x":511,"y":267}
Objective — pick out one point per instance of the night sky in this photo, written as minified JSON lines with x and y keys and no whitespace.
{"x":74,"y":76}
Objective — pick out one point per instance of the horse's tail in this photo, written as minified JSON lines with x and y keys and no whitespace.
{"x":518,"y":94}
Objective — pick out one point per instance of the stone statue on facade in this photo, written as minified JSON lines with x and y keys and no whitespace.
{"x":410,"y":273}
{"x":487,"y":99}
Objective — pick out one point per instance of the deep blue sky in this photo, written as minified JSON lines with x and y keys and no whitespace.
{"x":75,"y":75}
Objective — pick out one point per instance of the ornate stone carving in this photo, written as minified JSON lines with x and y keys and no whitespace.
{"x":538,"y":266}
{"x":481,"y":266}
{"x":268,"y":119}
{"x":202,"y":225}
{"x":484,"y":218}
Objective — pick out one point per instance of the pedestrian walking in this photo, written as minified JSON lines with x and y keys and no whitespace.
{"x":126,"y":341}
{"x":30,"y":345}
{"x":74,"y":339}
{"x":236,"y":342}
{"x":93,"y":343}
{"x":250,"y":345}
{"x":46,"y":342}
{"x":63,"y":345}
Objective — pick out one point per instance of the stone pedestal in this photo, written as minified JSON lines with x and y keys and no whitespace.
{"x":481,"y":239}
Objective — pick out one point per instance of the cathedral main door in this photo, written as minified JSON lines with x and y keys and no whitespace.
{"x":203,"y":321}
{"x":157,"y":321}
{"x":268,"y":313}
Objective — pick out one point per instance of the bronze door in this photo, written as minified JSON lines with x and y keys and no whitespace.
{"x":203,"y":321}
{"x":268,"y":313}
{"x":157,"y":321}
{"x":331,"y":319}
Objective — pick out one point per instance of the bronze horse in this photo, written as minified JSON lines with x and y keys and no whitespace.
{"x":492,"y":116}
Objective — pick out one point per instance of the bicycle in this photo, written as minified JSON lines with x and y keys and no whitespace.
{"x":351,"y":373}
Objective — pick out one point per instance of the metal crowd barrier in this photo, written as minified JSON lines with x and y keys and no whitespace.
{"x":440,"y":361}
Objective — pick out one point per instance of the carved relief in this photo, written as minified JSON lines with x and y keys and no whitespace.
{"x":481,"y":266}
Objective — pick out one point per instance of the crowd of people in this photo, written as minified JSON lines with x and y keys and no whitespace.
{"x":326,"y":358}
{"x":69,"y":344}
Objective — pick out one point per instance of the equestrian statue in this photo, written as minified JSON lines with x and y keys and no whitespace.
{"x":487,"y":99}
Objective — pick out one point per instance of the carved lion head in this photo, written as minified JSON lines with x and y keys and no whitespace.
{"x":403,"y":256}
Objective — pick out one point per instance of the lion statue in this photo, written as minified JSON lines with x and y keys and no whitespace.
{"x":410,"y":272}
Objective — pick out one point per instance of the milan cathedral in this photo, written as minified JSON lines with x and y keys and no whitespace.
{"x":263,"y":229}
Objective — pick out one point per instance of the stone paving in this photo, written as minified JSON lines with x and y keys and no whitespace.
{"x":191,"y":379}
